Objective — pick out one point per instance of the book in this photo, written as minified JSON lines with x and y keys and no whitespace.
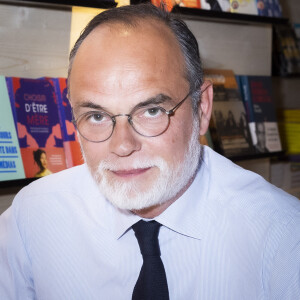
{"x":269,"y":8}
{"x":265,"y":8}
{"x":225,"y":84}
{"x":37,"y":125}
{"x":243,"y":7}
{"x":277,"y":9}
{"x":188,"y":3}
{"x":246,"y":97}
{"x":289,"y":127}
{"x":11,"y":166}
{"x":169,"y":4}
{"x":228,"y":127}
{"x":285,"y":52}
{"x":297,"y":33}
{"x":69,"y":132}
{"x":258,"y":99}
{"x":216,"y":5}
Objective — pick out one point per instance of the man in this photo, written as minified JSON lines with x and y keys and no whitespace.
{"x":140,"y":104}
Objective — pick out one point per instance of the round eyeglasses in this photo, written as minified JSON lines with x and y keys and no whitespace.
{"x":149,"y":121}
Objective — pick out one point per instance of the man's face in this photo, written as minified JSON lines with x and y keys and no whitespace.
{"x":116,"y":68}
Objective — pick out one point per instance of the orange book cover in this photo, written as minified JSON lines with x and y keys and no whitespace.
{"x":171,"y":3}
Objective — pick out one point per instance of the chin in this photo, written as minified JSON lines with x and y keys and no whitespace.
{"x":138,"y":191}
{"x":161,"y":187}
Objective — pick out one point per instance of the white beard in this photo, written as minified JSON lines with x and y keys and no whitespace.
{"x":172,"y":179}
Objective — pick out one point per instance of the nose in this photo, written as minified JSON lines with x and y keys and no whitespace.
{"x":124,"y":140}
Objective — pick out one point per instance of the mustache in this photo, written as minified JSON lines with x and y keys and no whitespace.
{"x":138,"y":163}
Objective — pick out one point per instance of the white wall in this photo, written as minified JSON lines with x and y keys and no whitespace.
{"x":246,"y":49}
{"x":34,"y":42}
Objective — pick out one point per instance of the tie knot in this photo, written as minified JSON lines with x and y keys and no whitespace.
{"x":147,"y":236}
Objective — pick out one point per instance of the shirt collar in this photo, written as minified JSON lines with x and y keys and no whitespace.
{"x":187,"y":215}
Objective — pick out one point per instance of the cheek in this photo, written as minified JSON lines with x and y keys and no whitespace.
{"x":173,"y":144}
{"x":93,"y":152}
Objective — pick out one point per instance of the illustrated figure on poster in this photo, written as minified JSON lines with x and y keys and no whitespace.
{"x":25,"y":138}
{"x":40,"y":158}
{"x":261,"y":137}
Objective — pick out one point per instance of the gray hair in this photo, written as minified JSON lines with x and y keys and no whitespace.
{"x":131,"y":15}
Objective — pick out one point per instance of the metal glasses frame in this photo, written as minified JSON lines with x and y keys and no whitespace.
{"x":169,"y":113}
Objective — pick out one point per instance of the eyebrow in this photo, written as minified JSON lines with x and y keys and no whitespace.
{"x":158,"y":99}
{"x":90,"y":104}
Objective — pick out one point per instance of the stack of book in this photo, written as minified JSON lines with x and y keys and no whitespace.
{"x":243,"y":119}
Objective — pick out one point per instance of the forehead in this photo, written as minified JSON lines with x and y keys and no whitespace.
{"x":120,"y":60}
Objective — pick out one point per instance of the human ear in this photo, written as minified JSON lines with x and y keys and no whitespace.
{"x":205,"y":107}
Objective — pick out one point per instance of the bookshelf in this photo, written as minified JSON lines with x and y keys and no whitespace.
{"x":64,"y":3}
{"x":185,"y":12}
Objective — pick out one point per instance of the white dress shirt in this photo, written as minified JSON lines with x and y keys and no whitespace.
{"x":231,"y":235}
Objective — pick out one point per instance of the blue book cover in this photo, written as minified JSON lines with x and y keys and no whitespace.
{"x":11,"y":166}
{"x":265,"y":8}
{"x":38,"y":127}
{"x":277,"y":10}
{"x":263,"y":126}
{"x":245,"y":93}
{"x":269,"y":8}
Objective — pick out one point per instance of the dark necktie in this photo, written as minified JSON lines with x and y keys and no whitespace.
{"x":152,"y":282}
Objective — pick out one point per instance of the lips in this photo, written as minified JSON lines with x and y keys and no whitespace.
{"x":131,"y":172}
